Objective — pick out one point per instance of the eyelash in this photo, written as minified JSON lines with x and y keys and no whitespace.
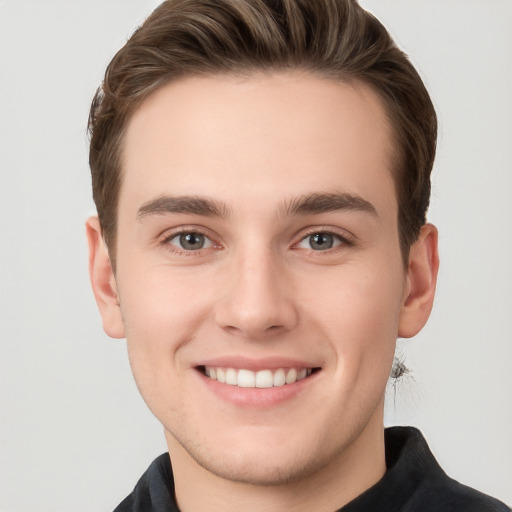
{"x":186,"y":230}
{"x":345,"y":240}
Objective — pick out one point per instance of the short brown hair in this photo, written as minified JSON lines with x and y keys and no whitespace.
{"x":332,"y":38}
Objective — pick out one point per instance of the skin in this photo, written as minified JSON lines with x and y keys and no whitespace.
{"x":259,"y":294}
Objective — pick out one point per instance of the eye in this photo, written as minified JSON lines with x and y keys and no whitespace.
{"x":321,"y":241}
{"x":190,"y":241}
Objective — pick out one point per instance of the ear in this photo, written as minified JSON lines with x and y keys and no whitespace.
{"x":103,"y":280}
{"x":420,"y":283}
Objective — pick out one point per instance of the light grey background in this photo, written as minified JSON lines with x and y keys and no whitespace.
{"x":74,"y":433}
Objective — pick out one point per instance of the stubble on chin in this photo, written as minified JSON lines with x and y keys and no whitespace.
{"x":249,"y":468}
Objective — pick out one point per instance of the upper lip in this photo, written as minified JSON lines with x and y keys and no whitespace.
{"x":255,"y":364}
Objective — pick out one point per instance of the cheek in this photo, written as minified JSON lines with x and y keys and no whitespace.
{"x":159,"y":302}
{"x":358,"y":310}
{"x":160,"y":313}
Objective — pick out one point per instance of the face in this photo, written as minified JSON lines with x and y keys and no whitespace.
{"x":259,"y":273}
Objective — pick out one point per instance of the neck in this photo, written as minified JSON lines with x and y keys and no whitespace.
{"x":360,"y":465}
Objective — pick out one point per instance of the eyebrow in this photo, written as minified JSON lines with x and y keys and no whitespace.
{"x":308,"y":204}
{"x":328,"y":202}
{"x":195,"y":205}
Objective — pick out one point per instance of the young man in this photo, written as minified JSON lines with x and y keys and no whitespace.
{"x":261,"y":171}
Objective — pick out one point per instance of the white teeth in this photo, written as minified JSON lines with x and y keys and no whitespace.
{"x":264,"y":379}
{"x":221,"y":375}
{"x":279,"y":378}
{"x":291,"y":376}
{"x":260,"y":379}
{"x":246,"y":379}
{"x":231,"y":377}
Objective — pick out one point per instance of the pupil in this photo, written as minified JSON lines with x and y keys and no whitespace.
{"x":191,"y":241}
{"x":321,"y":241}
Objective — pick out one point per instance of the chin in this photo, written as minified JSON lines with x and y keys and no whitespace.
{"x":257,"y":468}
{"x":263,"y":459}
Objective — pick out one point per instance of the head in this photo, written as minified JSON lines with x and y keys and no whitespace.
{"x":335,"y":39}
{"x":261,"y":172}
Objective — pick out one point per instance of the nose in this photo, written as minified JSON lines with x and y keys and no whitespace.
{"x":258,"y":300}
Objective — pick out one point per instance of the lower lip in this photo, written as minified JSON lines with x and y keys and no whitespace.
{"x":260,"y":398}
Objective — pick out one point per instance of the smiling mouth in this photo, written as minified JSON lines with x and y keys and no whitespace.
{"x":257,"y":379}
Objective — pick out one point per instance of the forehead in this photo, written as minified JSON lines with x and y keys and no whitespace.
{"x":261,"y":136}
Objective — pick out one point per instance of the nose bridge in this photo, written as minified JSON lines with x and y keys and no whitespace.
{"x":259,"y":295}
{"x":258,"y":278}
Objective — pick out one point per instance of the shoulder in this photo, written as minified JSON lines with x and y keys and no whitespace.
{"x":448,"y":495}
{"x":434,"y":491}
